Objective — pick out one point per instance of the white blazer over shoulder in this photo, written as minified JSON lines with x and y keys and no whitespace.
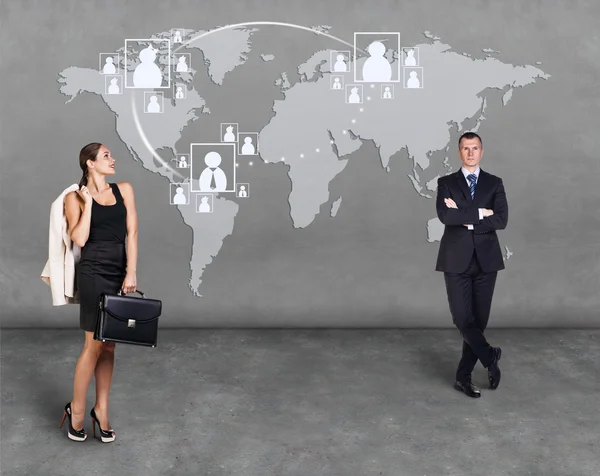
{"x":63,"y":254}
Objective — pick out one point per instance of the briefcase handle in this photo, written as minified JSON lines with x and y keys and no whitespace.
{"x":121,"y":293}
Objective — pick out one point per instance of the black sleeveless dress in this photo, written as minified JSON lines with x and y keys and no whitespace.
{"x":103,"y":262}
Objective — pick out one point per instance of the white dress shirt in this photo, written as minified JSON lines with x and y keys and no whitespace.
{"x":466,"y":173}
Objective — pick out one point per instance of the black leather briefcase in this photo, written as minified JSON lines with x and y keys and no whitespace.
{"x":128,"y":320}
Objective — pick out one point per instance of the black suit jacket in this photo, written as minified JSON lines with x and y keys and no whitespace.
{"x":458,"y":242}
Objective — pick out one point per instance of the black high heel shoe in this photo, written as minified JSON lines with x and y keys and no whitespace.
{"x":73,"y":434}
{"x":105,"y":435}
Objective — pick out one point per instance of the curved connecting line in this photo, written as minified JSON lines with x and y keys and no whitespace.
{"x":210,"y":32}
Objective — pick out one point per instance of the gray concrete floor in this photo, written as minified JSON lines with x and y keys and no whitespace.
{"x":308,"y":403}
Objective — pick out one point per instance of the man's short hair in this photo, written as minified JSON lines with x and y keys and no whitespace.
{"x":469,"y":135}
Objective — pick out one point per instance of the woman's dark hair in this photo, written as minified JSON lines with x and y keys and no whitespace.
{"x":89,"y":152}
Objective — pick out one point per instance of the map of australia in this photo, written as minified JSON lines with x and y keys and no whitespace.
{"x":418,"y":121}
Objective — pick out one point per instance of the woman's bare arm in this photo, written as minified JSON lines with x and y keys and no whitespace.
{"x":132,"y":226}
{"x":78,"y":220}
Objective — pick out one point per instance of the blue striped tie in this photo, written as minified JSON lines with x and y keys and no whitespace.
{"x":473,"y":179}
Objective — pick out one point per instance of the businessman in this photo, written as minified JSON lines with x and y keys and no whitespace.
{"x":471,"y":203}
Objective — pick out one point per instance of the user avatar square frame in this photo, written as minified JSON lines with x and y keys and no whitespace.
{"x":117,"y":63}
{"x":240,"y":144}
{"x":237,"y":191}
{"x":183,"y":33}
{"x":236,"y":129}
{"x":168,"y":65}
{"x":332,"y":60}
{"x":217,"y":145}
{"x":183,"y":88}
{"x":107,"y":78}
{"x":417,"y":57}
{"x":421,"y":80}
{"x":186,"y":191}
{"x":391,"y":86}
{"x":188,"y":62}
{"x":332,"y":81}
{"x":148,"y":94}
{"x":187,"y":159}
{"x":211,"y":201}
{"x":362,"y":93}
{"x":398,"y":49}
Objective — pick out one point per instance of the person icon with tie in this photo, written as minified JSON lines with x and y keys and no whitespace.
{"x":177,"y":37}
{"x":387,"y":92}
{"x":182,"y":162}
{"x":337,"y":83}
{"x":242,"y":193}
{"x":179,"y":198}
{"x":204,"y":206}
{"x":179,"y":93}
{"x":212,"y":178}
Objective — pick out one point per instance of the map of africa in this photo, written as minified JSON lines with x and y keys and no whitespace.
{"x":419,"y":121}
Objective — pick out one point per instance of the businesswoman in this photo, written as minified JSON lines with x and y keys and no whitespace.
{"x":102,"y":220}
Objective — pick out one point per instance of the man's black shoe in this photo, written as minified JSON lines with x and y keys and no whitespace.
{"x":467,"y":388}
{"x":494,"y":373}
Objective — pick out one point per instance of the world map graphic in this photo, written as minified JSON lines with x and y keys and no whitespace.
{"x":431,"y":91}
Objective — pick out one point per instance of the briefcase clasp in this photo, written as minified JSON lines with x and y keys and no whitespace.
{"x":131,"y":323}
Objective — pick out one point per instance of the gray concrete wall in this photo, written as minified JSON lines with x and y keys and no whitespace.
{"x":371,"y":265}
